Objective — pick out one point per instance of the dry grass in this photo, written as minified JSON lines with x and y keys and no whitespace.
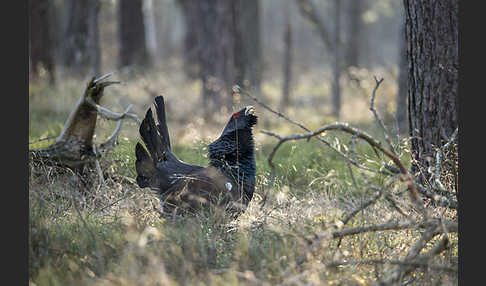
{"x":112,"y":234}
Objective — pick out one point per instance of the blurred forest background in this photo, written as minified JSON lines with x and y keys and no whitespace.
{"x":293,"y":54}
{"x":338,"y":213}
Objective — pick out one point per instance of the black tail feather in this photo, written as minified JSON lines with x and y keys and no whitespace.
{"x":144,"y":166}
{"x":151,"y":138}
{"x":162,"y":126}
{"x":156,"y":139}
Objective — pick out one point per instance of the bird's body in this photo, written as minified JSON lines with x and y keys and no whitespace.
{"x":227,"y":183}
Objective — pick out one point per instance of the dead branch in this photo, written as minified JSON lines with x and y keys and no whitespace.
{"x":238,"y":89}
{"x":451,"y":227}
{"x":430,"y":227}
{"x":377,"y":118}
{"x":433,"y":224}
{"x":339,"y":126}
{"x":415,"y":264}
{"x":74,"y":146}
{"x":410,"y":264}
{"x":438,"y":164}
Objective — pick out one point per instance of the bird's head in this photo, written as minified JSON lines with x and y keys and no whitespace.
{"x":241,"y":120}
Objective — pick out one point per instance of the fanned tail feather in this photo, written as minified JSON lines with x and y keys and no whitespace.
{"x":156,"y":139}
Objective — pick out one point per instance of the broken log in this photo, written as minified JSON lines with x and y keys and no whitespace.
{"x":74,"y":146}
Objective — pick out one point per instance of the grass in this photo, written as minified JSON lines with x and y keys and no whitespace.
{"x":112,"y":234}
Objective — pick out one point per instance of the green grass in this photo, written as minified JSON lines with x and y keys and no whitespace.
{"x":128,"y":244}
{"x":112,"y":235}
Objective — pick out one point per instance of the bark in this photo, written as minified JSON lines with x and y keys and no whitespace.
{"x":401,"y":100}
{"x":131,"y":29}
{"x":432,"y":39}
{"x":41,"y":36}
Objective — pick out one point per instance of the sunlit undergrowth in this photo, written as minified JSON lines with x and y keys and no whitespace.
{"x":92,"y":234}
{"x":113,"y":235}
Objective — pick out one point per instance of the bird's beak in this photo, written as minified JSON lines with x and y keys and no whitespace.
{"x":249,"y":110}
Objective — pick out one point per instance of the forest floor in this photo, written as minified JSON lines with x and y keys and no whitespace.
{"x":112,"y":234}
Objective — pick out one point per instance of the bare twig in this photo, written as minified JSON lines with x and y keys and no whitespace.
{"x":43,"y":139}
{"x":108,"y":114}
{"x":451,"y":226}
{"x":98,"y":167}
{"x":436,"y":181}
{"x":238,"y":89}
{"x":416,"y":264}
{"x":409,"y":264}
{"x":351,"y":152}
{"x":339,"y":126}
{"x":377,"y":118}
{"x":434,"y":224}
{"x":436,"y":198}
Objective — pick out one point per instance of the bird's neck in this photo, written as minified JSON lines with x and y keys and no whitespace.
{"x":240,"y":162}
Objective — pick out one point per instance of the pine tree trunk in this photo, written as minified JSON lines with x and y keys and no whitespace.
{"x":216,"y":53}
{"x":214,"y":37}
{"x":401,"y":100}
{"x":354,"y":30}
{"x":432,"y":37}
{"x":336,"y":67}
{"x":81,"y":52}
{"x":41,"y":36}
{"x":131,"y":29}
{"x":287,"y":62}
{"x":190,"y":9}
{"x":247,"y":28}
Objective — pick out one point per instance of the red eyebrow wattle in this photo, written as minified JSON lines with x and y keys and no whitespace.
{"x":236,"y":113}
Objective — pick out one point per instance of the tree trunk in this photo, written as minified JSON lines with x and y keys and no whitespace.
{"x":41,"y":35}
{"x":401,"y":100}
{"x":131,"y":29}
{"x":247,"y":28}
{"x":214,"y":37}
{"x":336,"y":67}
{"x":94,"y":48}
{"x":190,"y":9}
{"x":333,"y":43}
{"x":216,"y":53}
{"x":432,"y":38}
{"x":81,"y":49}
{"x":150,"y":28}
{"x":287,"y":62}
{"x":354,"y":30}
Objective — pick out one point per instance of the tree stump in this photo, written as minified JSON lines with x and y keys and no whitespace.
{"x":74,"y":147}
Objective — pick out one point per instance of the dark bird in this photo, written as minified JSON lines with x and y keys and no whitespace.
{"x":227,"y":183}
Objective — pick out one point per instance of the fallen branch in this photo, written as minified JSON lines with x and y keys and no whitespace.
{"x":438,"y":164}
{"x":339,"y":126}
{"x":74,"y":146}
{"x":416,"y":264}
{"x":377,"y":118}
{"x":238,"y":89}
